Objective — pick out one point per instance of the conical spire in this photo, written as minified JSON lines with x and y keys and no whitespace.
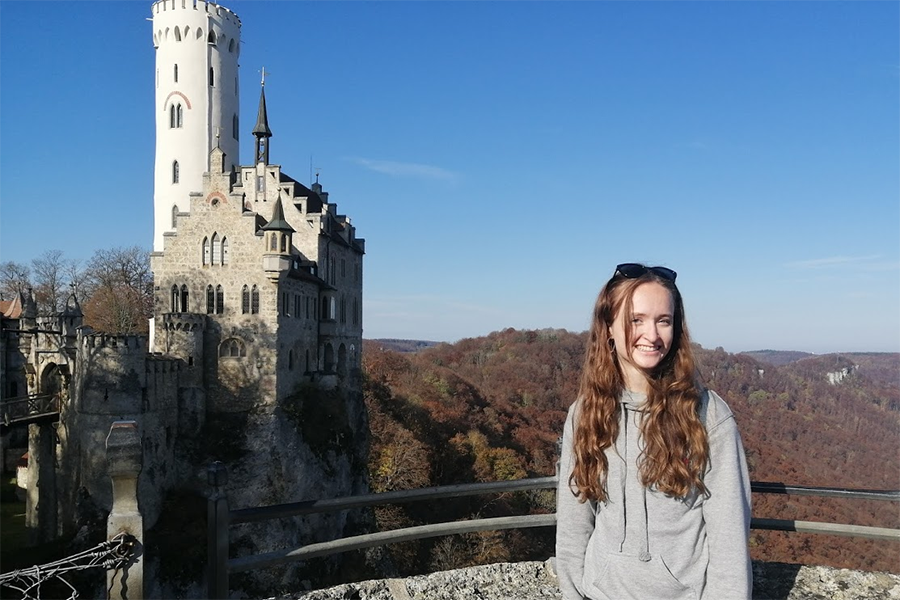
{"x":278,"y":223}
{"x":261,"y":132}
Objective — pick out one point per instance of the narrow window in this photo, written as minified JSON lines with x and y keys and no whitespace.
{"x":175,"y":298}
{"x":175,"y":73}
{"x":285,"y":304}
{"x":291,"y":360}
{"x":216,"y":250}
{"x":177,"y":34}
{"x":174,"y":216}
{"x":254,"y":300}
{"x":356,"y":311}
{"x":324,"y":308}
{"x":212,"y":37}
{"x":205,"y":251}
{"x":179,"y":116}
{"x":175,"y":171}
{"x":224,"y":251}
{"x":231,"y":45}
{"x":212,"y":77}
{"x":172,"y":117}
{"x":274,"y":242}
{"x":283,"y":243}
{"x":332,"y":314}
{"x":234,"y":127}
{"x":184,"y":299}
{"x":245,"y":300}
{"x":210,"y":300}
{"x":220,"y":300}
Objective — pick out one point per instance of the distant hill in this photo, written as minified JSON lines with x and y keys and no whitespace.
{"x":777,"y":357}
{"x":401,"y":345}
{"x":492,"y":408}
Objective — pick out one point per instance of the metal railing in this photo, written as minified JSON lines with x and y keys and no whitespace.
{"x":220,"y":518}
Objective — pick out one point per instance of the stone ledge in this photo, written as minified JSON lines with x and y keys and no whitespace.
{"x":536,"y":581}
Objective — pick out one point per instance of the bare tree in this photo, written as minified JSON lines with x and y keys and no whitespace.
{"x":15,"y":278}
{"x":121,"y":290}
{"x":51,"y":281}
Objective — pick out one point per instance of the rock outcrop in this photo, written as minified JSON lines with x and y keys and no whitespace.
{"x":536,"y":581}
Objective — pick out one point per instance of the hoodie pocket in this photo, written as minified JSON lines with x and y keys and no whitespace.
{"x":623,"y":577}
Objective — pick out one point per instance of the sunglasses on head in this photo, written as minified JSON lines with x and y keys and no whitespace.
{"x":635,"y":270}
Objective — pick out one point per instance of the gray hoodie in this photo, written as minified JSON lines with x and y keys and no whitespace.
{"x":645,"y":545}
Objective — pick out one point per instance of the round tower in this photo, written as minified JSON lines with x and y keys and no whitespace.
{"x":197,"y":101}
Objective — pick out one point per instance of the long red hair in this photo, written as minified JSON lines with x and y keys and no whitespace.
{"x":676,"y":450}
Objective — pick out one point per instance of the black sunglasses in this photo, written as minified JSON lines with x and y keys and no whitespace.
{"x":635,"y":270}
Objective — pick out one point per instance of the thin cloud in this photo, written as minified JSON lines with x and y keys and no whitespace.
{"x":405,"y":169}
{"x":831,"y":262}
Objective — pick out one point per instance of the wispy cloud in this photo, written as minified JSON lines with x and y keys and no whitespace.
{"x":832,"y":262}
{"x":405,"y":169}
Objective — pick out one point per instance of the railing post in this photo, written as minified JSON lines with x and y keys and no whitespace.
{"x":124,"y":460}
{"x":217,"y":519}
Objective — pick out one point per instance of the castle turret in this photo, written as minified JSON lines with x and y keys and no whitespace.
{"x":197,"y":101}
{"x":277,"y":233}
{"x":261,"y":132}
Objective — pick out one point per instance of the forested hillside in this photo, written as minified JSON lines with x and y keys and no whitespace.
{"x":492,"y":408}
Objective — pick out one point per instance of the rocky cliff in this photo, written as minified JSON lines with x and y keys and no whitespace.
{"x":536,"y":580}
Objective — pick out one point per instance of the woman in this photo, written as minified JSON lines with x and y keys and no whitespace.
{"x":654,"y":498}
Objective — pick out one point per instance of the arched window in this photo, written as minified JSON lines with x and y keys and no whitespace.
{"x":175,"y":298}
{"x":254,"y":300}
{"x":174,"y":171}
{"x":174,"y":216}
{"x":184,"y":299}
{"x":232,"y":348}
{"x":220,"y":300}
{"x":177,"y":35}
{"x":172,"y":117}
{"x":274,"y":243}
{"x":333,"y":312}
{"x":199,"y":33}
{"x":210,"y":300}
{"x":179,"y":116}
{"x":284,"y":243}
{"x":212,"y":77}
{"x":224,"y":251}
{"x":231,"y":45}
{"x":205,"y":251}
{"x":245,"y":300}
{"x":216,"y":250}
{"x":211,"y":39}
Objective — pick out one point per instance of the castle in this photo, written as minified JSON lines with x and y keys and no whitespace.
{"x":257,"y":294}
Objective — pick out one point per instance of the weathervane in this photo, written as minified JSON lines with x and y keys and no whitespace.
{"x":263,"y":82}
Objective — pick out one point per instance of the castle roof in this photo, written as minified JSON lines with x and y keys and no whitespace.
{"x":11,"y":309}
{"x":262,"y":120}
{"x":278,"y":223}
{"x":313,"y":200}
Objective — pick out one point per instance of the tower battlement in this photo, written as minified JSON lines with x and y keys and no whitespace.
{"x":210,"y":8}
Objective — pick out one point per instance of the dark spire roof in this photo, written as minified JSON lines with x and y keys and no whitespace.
{"x":278,"y":223}
{"x":262,"y":120}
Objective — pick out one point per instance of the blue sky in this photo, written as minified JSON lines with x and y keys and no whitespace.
{"x":501,"y":158}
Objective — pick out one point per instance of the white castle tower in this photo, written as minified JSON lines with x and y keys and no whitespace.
{"x":197,"y":101}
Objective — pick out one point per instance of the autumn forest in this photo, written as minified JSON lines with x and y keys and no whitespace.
{"x":492,"y":408}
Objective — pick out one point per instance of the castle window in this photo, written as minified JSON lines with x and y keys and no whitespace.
{"x":297,"y":313}
{"x":210,"y":300}
{"x":175,"y":299}
{"x":235,"y":130}
{"x":176,"y":73}
{"x":332,"y":314}
{"x":254,"y":300}
{"x":245,"y":300}
{"x":343,"y":309}
{"x":232,"y":348}
{"x":175,"y":171}
{"x":212,"y":37}
{"x":307,"y":361}
{"x":283,"y":243}
{"x":224,"y":251}
{"x":343,"y":267}
{"x":216,"y":250}
{"x":177,"y":35}
{"x":174,"y":216}
{"x":172,"y":117}
{"x":356,"y":311}
{"x":274,"y":244}
{"x":205,"y":251}
{"x":291,"y":360}
{"x":212,"y":77}
{"x":179,"y":116}
{"x":184,"y":299}
{"x":220,"y":300}
{"x":285,"y":304}
{"x":199,"y":33}
{"x":231,"y":45}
